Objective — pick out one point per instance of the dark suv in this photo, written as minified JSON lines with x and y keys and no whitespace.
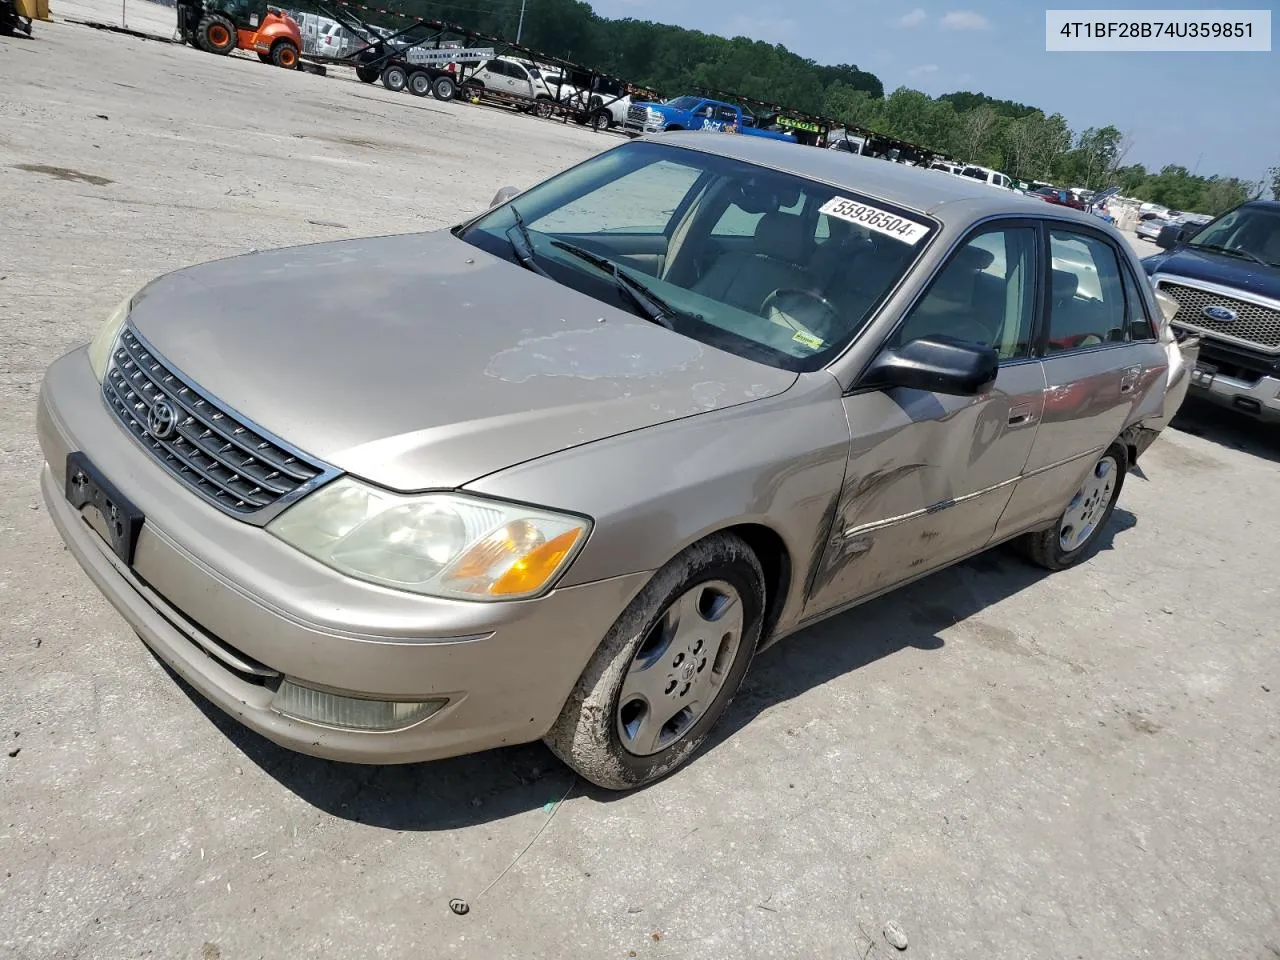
{"x":1226,"y":278}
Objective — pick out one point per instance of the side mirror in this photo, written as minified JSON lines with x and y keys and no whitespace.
{"x":503,"y":195}
{"x":1170,"y":236}
{"x":938,"y":364}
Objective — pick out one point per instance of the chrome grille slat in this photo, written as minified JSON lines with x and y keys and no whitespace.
{"x":1255,"y":325}
{"x":215,"y":453}
{"x":261,"y":482}
{"x":211,"y":421}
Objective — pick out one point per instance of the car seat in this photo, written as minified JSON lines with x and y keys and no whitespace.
{"x":745,"y":278}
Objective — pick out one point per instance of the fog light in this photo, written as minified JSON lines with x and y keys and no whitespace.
{"x":351,"y":713}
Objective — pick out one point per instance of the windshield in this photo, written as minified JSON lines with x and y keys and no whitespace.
{"x":684,"y":103}
{"x":761,"y":263}
{"x":1251,"y":231}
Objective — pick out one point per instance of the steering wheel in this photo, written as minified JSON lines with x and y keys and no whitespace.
{"x":827,"y":316}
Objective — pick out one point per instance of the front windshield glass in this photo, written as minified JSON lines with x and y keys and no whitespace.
{"x":684,"y":103}
{"x":755,"y":261}
{"x":1248,"y":232}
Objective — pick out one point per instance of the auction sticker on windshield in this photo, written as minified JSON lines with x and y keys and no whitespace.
{"x":873,"y":218}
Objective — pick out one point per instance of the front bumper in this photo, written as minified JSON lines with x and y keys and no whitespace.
{"x":1260,"y":398}
{"x":229,"y":608}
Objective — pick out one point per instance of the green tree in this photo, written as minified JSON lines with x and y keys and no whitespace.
{"x":1274,"y":174}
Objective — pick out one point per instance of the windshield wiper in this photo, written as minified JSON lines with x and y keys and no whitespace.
{"x":655,"y":308}
{"x":1233,"y":251}
{"x":522,"y":244}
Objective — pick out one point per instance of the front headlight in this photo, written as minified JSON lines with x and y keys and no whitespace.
{"x":437,"y":544}
{"x":104,"y":344}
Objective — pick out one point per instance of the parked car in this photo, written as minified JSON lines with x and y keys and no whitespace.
{"x":1225,"y":276}
{"x":520,"y":83}
{"x":667,"y":407}
{"x":986,"y":175}
{"x":697,"y":113}
{"x":1150,"y":229}
{"x":1061,"y":197}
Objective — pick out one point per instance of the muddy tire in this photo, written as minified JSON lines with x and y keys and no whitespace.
{"x":216,"y":34}
{"x":1074,"y":536}
{"x":284,"y":54}
{"x":667,"y":669}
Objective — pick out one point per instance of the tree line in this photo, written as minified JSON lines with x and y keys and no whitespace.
{"x":1020,"y":140}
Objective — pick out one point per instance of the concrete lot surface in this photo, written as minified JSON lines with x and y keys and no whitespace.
{"x":1004,"y":763}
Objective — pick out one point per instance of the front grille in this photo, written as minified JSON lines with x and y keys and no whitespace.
{"x":206,"y":446}
{"x":1255,"y":325}
{"x":638,"y":115}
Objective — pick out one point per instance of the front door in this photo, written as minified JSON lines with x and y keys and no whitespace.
{"x":1103,"y":368}
{"x":929,"y":475}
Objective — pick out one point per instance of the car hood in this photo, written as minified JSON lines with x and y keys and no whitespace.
{"x":422,"y":362}
{"x":1216,"y":268}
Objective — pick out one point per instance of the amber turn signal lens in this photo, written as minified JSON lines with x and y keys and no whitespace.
{"x":528,"y":574}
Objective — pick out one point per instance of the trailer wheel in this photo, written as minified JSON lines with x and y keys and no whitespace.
{"x":419,"y":83}
{"x":216,"y":34}
{"x":285,"y":54}
{"x":543,"y":107}
{"x":444,"y":88}
{"x":394,"y":78}
{"x":367,"y":74}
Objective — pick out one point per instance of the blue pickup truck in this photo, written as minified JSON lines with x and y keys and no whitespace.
{"x":696,"y":113}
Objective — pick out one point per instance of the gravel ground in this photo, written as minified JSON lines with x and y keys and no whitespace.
{"x":1002,"y":764}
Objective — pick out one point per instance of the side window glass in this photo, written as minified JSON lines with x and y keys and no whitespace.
{"x":1139,"y":326}
{"x":984,"y":294}
{"x":1087,"y":302}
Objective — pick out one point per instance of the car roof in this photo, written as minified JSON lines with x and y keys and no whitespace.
{"x":915,"y":188}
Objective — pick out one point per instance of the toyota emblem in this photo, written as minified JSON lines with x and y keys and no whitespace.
{"x":162,"y":421}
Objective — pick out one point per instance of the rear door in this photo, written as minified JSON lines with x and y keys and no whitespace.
{"x":929,"y":475}
{"x":1103,"y":368}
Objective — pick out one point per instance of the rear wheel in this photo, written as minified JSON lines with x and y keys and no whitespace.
{"x":394,"y":78}
{"x":419,"y":83}
{"x":667,"y":669}
{"x":216,"y":34}
{"x":1074,"y":537}
{"x":600,"y":120}
{"x":444,"y":88}
{"x":543,"y":107}
{"x":367,"y":74}
{"x":285,"y":54}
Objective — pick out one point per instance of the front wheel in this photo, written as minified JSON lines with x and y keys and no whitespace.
{"x":285,"y":54}
{"x":1074,"y":536}
{"x":216,"y":34}
{"x":667,"y":669}
{"x":601,"y":120}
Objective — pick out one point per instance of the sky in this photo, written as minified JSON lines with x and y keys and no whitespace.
{"x":1213,"y":113}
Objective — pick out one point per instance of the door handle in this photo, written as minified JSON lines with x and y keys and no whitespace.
{"x":1021,"y":415}
{"x":1130,"y":379}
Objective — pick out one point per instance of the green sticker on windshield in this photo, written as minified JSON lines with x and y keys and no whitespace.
{"x":808,"y":339}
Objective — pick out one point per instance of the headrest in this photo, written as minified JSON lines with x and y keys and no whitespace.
{"x":1065,"y":284}
{"x":781,"y":236}
{"x":973,"y":259}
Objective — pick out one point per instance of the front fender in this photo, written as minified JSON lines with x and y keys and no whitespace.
{"x":777,"y":462}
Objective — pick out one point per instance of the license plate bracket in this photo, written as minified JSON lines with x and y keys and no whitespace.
{"x":121,"y":520}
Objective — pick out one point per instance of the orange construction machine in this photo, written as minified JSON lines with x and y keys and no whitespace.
{"x":220,"y":26}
